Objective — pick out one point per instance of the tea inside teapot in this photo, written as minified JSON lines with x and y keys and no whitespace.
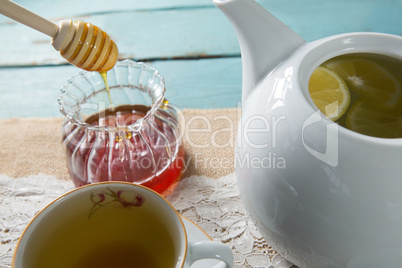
{"x":374,"y":105}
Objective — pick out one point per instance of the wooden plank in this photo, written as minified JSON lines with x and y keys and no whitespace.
{"x":55,"y":9}
{"x":314,"y":19}
{"x":202,"y":32}
{"x":207,"y":83}
{"x":32,"y":91}
{"x":139,"y":35}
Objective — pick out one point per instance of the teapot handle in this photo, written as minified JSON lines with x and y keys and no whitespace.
{"x":210,"y":250}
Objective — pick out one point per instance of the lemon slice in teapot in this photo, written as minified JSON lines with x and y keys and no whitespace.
{"x":369,"y":79}
{"x":329,"y":92}
{"x":365,"y":118}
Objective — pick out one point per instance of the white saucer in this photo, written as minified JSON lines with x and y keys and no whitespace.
{"x":196,"y":234}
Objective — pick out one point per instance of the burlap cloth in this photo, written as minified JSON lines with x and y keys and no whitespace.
{"x":29,"y":146}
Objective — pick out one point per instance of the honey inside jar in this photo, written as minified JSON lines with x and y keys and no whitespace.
{"x":134,"y":139}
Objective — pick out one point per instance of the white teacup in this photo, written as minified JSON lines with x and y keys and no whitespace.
{"x":112,"y":224}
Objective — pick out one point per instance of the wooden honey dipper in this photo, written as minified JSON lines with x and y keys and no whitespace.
{"x":82,"y":44}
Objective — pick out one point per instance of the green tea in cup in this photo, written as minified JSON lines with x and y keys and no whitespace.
{"x":105,"y":236}
{"x":111,"y":224}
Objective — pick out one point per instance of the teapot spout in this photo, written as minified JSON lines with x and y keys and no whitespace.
{"x":264,"y":40}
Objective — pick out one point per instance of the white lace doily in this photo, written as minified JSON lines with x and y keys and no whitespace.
{"x":214,"y":205}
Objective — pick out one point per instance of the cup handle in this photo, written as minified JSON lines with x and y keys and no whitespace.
{"x":210,"y":250}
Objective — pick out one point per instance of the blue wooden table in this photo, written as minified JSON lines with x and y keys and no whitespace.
{"x":190,"y":41}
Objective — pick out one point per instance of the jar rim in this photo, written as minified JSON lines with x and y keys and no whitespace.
{"x":134,"y":127}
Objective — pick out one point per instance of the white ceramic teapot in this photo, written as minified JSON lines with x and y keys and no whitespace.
{"x":320,"y":194}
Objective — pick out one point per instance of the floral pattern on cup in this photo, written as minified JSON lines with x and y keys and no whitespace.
{"x":120,"y":197}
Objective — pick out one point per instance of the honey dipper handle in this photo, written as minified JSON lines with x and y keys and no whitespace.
{"x":19,"y":13}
